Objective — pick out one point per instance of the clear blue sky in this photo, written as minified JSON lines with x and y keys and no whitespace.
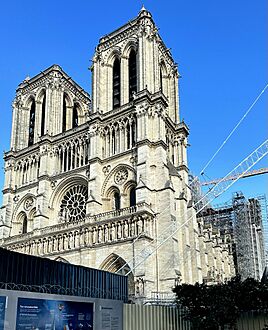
{"x":220,"y":46}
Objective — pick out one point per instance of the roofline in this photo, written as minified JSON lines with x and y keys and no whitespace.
{"x":54,"y":67}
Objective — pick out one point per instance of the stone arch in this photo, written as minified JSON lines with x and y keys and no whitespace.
{"x":163,"y":74}
{"x":129,"y":191}
{"x":28,"y":100}
{"x":131,"y":44}
{"x":116,"y":264}
{"x":31,"y":216}
{"x":59,"y":201}
{"x":115,"y":53}
{"x":21,"y":207}
{"x":19,"y":226}
{"x":109,"y":178}
{"x":69,"y":99}
{"x":40,"y":94}
{"x":114,"y":198}
{"x":63,"y":187}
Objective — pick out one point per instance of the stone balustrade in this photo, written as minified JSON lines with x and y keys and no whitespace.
{"x":105,"y":228}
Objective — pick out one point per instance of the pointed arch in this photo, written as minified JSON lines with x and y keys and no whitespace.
{"x":23,"y":221}
{"x":75,"y":115}
{"x":116,"y":83}
{"x":163,"y":77}
{"x":113,"y":194}
{"x":116,"y":264}
{"x":64,"y":112}
{"x":132,"y":196}
{"x":117,"y":200}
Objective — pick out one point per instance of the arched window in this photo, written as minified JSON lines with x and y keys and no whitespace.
{"x":132,"y":74}
{"x":132,"y":196}
{"x":31,"y":124}
{"x":161,"y":79}
{"x":128,"y":135}
{"x":75,"y":116}
{"x":64,"y":112}
{"x":24,"y":224}
{"x":113,"y":142}
{"x":117,"y":200}
{"x":116,"y":84}
{"x":43,"y":115}
{"x":133,"y":133}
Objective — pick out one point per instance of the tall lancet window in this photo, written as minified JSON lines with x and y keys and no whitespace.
{"x":117,"y":203}
{"x":132,"y":197}
{"x":31,"y":124}
{"x":75,"y":116}
{"x":24,"y":224}
{"x":116,"y":84}
{"x":64,"y":113}
{"x":132,"y":74}
{"x":43,"y":115}
{"x":161,"y":79}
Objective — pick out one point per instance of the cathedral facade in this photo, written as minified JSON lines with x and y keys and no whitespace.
{"x":95,"y":181}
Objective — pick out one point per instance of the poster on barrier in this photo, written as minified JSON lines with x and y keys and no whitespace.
{"x":43,"y":314}
{"x":2,"y":311}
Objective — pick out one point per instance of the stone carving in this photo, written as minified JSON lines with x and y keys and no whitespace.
{"x":140,"y":287}
{"x":53,"y":184}
{"x":121,"y":176}
{"x":28,"y":203}
{"x":106,"y":169}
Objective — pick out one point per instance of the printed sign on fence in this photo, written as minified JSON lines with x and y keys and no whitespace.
{"x":42,"y":314}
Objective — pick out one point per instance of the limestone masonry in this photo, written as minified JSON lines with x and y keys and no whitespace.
{"x":93,"y":181}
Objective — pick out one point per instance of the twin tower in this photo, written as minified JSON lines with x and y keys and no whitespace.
{"x":103,"y":181}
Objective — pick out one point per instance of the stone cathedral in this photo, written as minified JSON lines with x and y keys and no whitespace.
{"x":102,"y":181}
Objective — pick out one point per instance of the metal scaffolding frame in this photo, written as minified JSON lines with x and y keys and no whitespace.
{"x":239,"y":222}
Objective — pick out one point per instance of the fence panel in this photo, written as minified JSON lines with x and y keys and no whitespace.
{"x":140,"y":317}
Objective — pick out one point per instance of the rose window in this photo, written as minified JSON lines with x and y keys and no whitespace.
{"x":121,"y":176}
{"x":73,"y":204}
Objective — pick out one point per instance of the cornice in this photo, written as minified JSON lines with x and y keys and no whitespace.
{"x":26,"y":187}
{"x":177,"y":127}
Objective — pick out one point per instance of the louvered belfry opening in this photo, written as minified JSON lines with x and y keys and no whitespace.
{"x":43,"y":115}
{"x":31,"y":124}
{"x":132,"y":65}
{"x":116,"y":84}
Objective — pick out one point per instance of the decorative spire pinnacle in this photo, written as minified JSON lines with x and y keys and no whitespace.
{"x":144,"y":12}
{"x":142,"y":8}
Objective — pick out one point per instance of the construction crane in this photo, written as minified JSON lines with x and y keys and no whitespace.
{"x":223,"y":184}
{"x":234,"y":177}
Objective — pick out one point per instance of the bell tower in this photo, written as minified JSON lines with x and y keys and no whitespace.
{"x":131,"y":59}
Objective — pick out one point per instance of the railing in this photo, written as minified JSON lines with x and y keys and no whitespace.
{"x":140,"y":207}
{"x":106,"y":228}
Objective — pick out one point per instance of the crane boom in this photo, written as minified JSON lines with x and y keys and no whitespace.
{"x":234,"y":177}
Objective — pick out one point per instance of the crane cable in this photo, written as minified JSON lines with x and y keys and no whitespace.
{"x":234,"y":129}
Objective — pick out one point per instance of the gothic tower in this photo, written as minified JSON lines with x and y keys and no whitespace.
{"x":105,"y":183}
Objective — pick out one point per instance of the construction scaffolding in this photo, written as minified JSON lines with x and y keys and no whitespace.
{"x":240,"y":227}
{"x":264,"y":213}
